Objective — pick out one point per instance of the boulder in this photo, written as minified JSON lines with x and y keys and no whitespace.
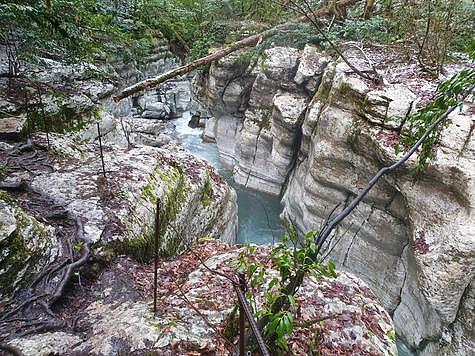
{"x":12,"y":126}
{"x":156,"y":110}
{"x":311,"y":67}
{"x":194,"y":121}
{"x":26,"y":245}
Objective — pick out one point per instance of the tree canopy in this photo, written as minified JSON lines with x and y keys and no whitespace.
{"x":76,"y":30}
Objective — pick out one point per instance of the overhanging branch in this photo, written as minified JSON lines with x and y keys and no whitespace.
{"x":328,"y":229}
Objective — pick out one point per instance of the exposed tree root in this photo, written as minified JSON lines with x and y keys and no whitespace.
{"x":34,"y":311}
{"x":36,"y":314}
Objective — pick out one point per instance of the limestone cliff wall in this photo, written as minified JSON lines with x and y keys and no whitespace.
{"x":302,"y":125}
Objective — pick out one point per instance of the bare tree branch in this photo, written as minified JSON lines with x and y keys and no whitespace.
{"x":325,"y":233}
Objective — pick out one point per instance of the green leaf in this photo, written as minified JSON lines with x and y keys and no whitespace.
{"x":292,"y":301}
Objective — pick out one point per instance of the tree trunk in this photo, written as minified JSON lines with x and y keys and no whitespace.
{"x":244,"y":43}
{"x":368,"y":9}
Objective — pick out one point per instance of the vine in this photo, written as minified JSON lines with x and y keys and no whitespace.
{"x":293,"y":260}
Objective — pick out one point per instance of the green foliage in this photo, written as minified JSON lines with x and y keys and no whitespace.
{"x":296,"y":35}
{"x":433,"y":28}
{"x":293,"y":260}
{"x":75,"y":30}
{"x":374,"y":28}
{"x":207,"y":192}
{"x":418,"y":123}
{"x":66,"y":29}
{"x":124,"y":194}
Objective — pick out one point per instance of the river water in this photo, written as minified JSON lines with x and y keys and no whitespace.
{"x":258,"y":213}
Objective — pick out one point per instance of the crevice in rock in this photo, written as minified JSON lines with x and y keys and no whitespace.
{"x":255,"y":154}
{"x":467,"y":140}
{"x":325,"y":102}
{"x":466,"y":291}
{"x":347,"y":253}
{"x":403,"y":261}
{"x":294,"y":160}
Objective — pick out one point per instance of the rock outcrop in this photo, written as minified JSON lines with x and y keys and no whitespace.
{"x":113,"y":322}
{"x":27,"y":246}
{"x":63,"y":170}
{"x":258,"y":116}
{"x":119,"y":210}
{"x":411,"y":239}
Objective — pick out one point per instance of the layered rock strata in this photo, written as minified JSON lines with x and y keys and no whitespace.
{"x":317,"y":133}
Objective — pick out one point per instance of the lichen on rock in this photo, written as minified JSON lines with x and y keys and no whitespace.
{"x":123,"y":322}
{"x":411,"y":237}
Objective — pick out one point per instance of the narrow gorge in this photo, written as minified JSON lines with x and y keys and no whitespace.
{"x":110,"y":209}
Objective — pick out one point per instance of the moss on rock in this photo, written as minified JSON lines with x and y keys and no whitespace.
{"x":26,"y":246}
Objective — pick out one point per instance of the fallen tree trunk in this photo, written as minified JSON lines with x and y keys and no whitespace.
{"x":244,"y":43}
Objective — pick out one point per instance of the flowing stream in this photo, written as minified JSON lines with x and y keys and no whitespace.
{"x":258,"y":213}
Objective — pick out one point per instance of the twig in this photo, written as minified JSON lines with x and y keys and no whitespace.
{"x":313,"y":21}
{"x":370,"y":62}
{"x":183,"y":297}
{"x":100,"y":148}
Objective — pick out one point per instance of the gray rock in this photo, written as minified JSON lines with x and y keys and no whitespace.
{"x":116,"y":325}
{"x":155,"y":106}
{"x":26,"y":247}
{"x":154,"y":114}
{"x":12,"y":125}
{"x":311,"y":67}
{"x":152,"y":140}
{"x":209,"y":130}
{"x":411,"y":239}
{"x":47,"y":344}
{"x":406,"y":224}
{"x":194,"y":121}
{"x":143,"y":174}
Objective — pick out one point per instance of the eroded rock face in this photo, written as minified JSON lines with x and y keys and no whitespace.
{"x":27,"y":246}
{"x":414,"y":244}
{"x":258,"y":117}
{"x":195,"y":201}
{"x":117,"y":316}
{"x":411,"y":239}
